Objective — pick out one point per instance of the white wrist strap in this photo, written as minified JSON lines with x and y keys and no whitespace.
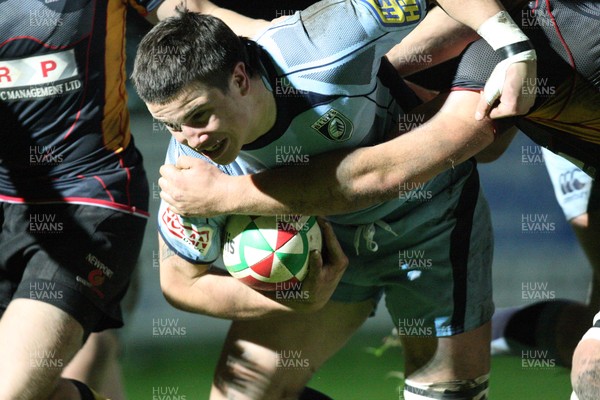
{"x":510,"y":43}
{"x":500,"y":30}
{"x":493,"y":86}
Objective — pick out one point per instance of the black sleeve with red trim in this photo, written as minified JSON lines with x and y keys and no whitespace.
{"x":469,"y":71}
{"x":475,"y":66}
{"x":549,"y":31}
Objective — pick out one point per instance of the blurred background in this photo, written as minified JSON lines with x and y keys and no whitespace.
{"x":517,"y":188}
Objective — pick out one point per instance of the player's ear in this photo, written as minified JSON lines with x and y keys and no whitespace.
{"x":241,"y":81}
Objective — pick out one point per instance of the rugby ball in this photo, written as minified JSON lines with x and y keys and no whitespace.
{"x":270,"y":253}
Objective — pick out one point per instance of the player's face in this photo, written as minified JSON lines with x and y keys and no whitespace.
{"x":208,"y":120}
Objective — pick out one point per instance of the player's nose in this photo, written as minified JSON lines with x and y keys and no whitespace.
{"x":194,"y":137}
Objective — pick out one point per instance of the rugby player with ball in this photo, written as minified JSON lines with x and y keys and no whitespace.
{"x":224,"y":106}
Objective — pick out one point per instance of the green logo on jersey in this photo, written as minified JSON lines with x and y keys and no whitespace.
{"x":334,"y":126}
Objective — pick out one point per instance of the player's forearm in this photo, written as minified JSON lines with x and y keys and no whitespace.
{"x":222,"y":296}
{"x":447,"y":139}
{"x":240,"y":24}
{"x":313,"y":189}
{"x":348,"y":180}
{"x":421,"y":154}
{"x":471,"y":12}
{"x":435,"y":40}
{"x":340,"y":182}
{"x":199,"y":289}
{"x":492,"y":22}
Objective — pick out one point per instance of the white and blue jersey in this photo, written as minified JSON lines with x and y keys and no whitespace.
{"x":430,"y":250}
{"x":323,"y":65}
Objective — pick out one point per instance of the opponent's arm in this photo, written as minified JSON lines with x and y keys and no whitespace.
{"x":201,"y":289}
{"x":374,"y":174}
{"x":471,"y":13}
{"x":514,"y":79}
{"x":240,"y":24}
{"x":335,"y":182}
{"x":438,"y":37}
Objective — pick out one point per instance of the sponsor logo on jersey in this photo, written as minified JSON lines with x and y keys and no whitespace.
{"x":395,"y":12}
{"x":39,"y":77}
{"x":334,"y":126}
{"x":197,"y":237}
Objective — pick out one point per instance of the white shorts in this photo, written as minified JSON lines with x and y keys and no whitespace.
{"x":572,"y":186}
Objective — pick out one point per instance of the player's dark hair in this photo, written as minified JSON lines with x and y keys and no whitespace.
{"x":184,"y":49}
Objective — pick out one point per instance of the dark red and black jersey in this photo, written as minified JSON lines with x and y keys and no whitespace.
{"x":64,"y":125}
{"x":566,"y":35}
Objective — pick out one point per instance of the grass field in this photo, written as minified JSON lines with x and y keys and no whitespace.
{"x":183,"y":369}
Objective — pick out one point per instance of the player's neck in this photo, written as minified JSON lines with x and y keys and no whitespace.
{"x":265,"y":106}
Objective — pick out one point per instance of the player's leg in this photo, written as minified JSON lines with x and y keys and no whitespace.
{"x":552,"y":326}
{"x":97,"y":364}
{"x":587,"y":230}
{"x":68,"y":281}
{"x":38,"y":340}
{"x":290,"y":348}
{"x":579,"y":197}
{"x":32,"y":358}
{"x":556,"y":326}
{"x":459,"y":364}
{"x":446,"y":293}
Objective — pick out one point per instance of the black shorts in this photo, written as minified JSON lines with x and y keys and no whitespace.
{"x":78,"y":258}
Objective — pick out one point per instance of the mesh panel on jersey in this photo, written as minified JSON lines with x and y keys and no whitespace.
{"x":578,"y":24}
{"x":323,"y":37}
{"x":476,"y":65}
{"x":580,"y":31}
{"x":42,"y":22}
{"x":589,"y":8}
{"x":346,"y":76}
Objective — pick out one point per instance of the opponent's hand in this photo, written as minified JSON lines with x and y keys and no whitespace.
{"x":193,"y":187}
{"x":325,"y":269}
{"x":513,"y":80}
{"x":510,"y":90}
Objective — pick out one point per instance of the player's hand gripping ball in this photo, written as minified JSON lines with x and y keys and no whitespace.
{"x":270,"y":253}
